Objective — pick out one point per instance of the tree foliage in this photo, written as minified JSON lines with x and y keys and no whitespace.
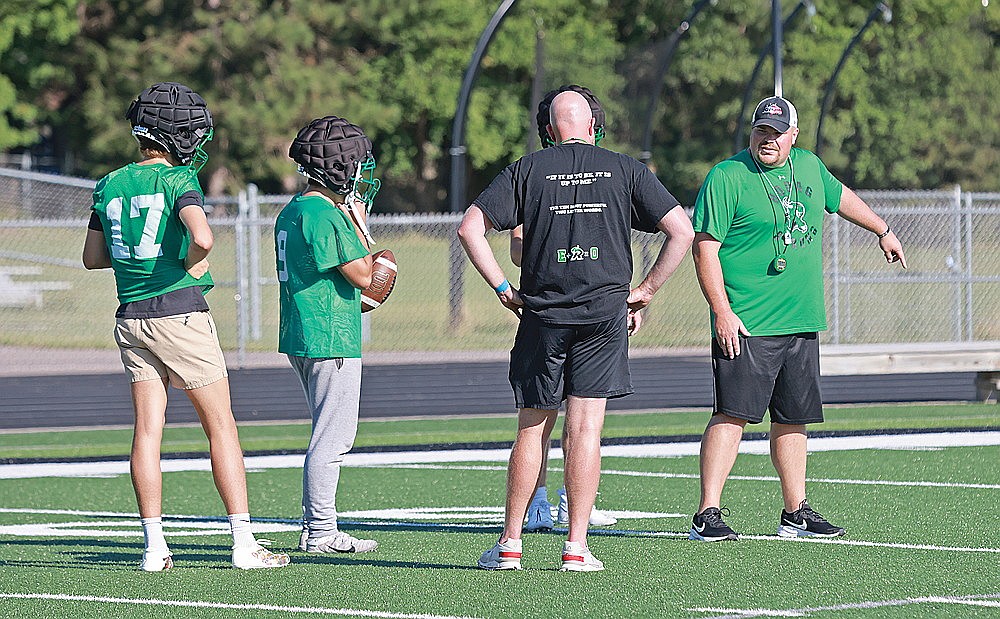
{"x":915,"y":105}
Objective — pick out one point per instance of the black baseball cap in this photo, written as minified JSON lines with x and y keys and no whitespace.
{"x":776,"y":112}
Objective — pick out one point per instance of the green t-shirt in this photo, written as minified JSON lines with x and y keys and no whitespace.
{"x":320,"y":309}
{"x":750,"y":213}
{"x":147,"y":241}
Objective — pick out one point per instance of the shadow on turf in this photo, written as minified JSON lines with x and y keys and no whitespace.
{"x":115,"y":556}
{"x":112,"y":555}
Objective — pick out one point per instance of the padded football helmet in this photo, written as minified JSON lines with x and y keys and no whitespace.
{"x":337,"y":155}
{"x":542,"y":117}
{"x":176,"y":118}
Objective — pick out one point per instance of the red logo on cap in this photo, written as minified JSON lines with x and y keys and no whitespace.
{"x":773,"y":109}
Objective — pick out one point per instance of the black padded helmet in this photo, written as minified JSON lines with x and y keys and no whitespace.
{"x":542,"y":117}
{"x":175,"y":117}
{"x":337,"y":154}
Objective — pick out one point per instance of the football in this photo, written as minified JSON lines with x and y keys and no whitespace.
{"x":383,"y":279}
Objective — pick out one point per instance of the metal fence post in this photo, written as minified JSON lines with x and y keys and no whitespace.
{"x":835,"y":277}
{"x":241,"y":278}
{"x":967,"y":199}
{"x":956,"y":249}
{"x":254,"y":262}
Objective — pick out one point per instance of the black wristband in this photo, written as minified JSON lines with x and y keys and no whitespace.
{"x":888,"y":229}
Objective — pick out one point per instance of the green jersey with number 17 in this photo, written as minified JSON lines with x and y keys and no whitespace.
{"x":143,"y":230}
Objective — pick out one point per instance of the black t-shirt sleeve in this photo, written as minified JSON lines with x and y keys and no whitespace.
{"x":95,"y":222}
{"x":190,"y":198}
{"x":497,"y":200}
{"x":650,"y":200}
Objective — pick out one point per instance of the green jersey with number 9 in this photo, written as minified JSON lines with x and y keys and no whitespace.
{"x":137,"y":206}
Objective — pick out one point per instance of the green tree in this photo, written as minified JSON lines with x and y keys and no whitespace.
{"x":32,"y":80}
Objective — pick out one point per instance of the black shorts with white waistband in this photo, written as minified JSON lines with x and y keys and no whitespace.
{"x":550,"y":362}
{"x":780,"y":373}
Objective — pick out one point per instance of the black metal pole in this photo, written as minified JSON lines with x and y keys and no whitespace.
{"x":748,"y":91}
{"x":457,"y":195}
{"x":879,"y":8}
{"x":777,"y":39}
{"x":661,"y":74}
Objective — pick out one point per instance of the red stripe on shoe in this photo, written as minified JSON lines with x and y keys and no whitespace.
{"x":510,"y":555}
{"x":573,"y":558}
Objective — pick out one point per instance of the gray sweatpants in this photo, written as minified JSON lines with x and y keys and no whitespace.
{"x":333,"y":393}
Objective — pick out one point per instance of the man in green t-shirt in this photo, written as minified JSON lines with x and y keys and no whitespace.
{"x":323,"y":263}
{"x":148,"y":224}
{"x":758,"y":224}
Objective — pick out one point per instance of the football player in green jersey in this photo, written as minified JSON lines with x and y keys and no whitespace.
{"x":323,"y":263}
{"x":148,"y":224}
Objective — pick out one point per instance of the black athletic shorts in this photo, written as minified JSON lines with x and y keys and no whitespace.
{"x":780,"y":373}
{"x":550,"y":362}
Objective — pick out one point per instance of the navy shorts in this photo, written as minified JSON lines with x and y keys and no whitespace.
{"x":550,"y":362}
{"x":780,"y":373}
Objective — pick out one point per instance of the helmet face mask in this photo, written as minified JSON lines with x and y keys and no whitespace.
{"x":542,"y":117}
{"x":336,"y":154}
{"x":175,"y":117}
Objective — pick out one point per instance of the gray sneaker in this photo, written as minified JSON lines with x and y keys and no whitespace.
{"x":339,"y":542}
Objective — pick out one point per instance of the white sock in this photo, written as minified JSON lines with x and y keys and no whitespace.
{"x":240,"y":526}
{"x":152,"y":533}
{"x":541,"y":494}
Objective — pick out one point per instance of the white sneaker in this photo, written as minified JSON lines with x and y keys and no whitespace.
{"x":597,"y":517}
{"x":539,"y":516}
{"x":578,"y":558}
{"x":156,"y":560}
{"x":257,"y":557}
{"x":505,"y":556}
{"x":339,"y":542}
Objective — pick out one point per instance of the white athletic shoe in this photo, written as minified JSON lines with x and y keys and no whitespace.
{"x":338,"y":542}
{"x":597,"y":517}
{"x":539,"y":516}
{"x":156,"y":561}
{"x":505,"y":556}
{"x":577,"y":558}
{"x":257,"y":557}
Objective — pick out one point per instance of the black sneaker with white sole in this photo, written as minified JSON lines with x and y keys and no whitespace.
{"x":708,"y":526}
{"x":806,"y":522}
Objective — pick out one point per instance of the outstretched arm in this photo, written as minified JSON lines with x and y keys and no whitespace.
{"x":472,"y":232}
{"x":856,"y":211}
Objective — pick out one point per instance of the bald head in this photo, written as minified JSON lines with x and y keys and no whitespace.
{"x":571,"y":117}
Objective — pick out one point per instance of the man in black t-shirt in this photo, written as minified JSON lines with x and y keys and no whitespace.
{"x":578,"y":204}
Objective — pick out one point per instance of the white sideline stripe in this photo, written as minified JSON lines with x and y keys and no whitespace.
{"x":986,"y":600}
{"x":859,"y":482}
{"x":662,"y":450}
{"x":192,"y":604}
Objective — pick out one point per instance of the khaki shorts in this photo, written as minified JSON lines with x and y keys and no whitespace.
{"x":184,"y":348}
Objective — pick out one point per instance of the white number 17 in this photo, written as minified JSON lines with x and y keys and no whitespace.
{"x":147,"y":248}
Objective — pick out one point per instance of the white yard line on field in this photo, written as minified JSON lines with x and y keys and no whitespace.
{"x":987,"y":600}
{"x":819,"y":480}
{"x":662,"y":450}
{"x":312,"y":610}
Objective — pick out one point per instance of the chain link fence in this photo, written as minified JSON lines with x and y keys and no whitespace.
{"x":950,"y":293}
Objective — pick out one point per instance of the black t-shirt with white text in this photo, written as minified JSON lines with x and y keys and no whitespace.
{"x":578,"y":204}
